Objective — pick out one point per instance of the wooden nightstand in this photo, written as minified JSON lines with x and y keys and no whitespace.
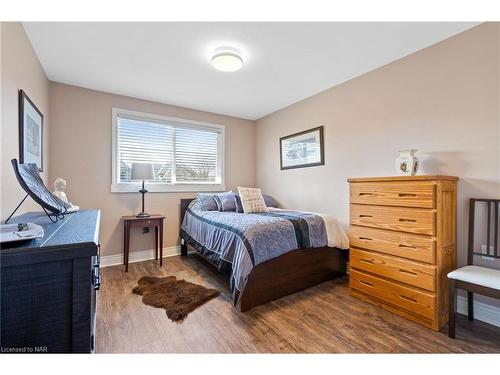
{"x":155,"y":221}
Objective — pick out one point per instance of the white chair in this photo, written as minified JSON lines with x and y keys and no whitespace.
{"x":476,"y":279}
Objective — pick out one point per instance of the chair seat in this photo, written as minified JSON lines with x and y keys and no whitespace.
{"x":483,"y":276}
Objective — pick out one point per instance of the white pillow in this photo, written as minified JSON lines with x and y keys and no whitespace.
{"x":252,"y":200}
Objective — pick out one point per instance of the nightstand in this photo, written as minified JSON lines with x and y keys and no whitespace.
{"x":155,"y":221}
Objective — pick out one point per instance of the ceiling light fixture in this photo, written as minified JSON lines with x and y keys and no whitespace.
{"x":227,"y":59}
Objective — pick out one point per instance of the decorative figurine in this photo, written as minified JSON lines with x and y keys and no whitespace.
{"x":59,"y":192}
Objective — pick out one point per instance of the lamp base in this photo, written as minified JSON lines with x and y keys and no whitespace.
{"x":142,"y":191}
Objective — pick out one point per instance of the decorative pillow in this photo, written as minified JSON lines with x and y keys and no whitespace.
{"x":252,"y":200}
{"x":239,"y":206}
{"x":207,"y":202}
{"x":270,"y":201}
{"x":226,"y":201}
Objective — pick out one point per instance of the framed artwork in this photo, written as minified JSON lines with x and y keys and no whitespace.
{"x":30,"y":132}
{"x":304,"y":149}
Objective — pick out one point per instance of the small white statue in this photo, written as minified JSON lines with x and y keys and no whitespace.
{"x":59,"y":192}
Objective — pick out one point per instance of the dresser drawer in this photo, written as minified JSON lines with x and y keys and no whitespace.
{"x":144,"y":223}
{"x":417,"y":302}
{"x":403,"y":194}
{"x":413,"y":220}
{"x":401,"y":270}
{"x":402,"y":244}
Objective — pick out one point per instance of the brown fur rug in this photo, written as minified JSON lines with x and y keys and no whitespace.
{"x":177,"y":297}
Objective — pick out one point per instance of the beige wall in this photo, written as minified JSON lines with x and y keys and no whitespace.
{"x":81,"y":153}
{"x":443,"y":100}
{"x":20,"y":69}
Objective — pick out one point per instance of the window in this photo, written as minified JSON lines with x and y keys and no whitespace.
{"x":186,"y":155}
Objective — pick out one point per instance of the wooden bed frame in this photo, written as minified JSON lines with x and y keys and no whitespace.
{"x":296,"y":270}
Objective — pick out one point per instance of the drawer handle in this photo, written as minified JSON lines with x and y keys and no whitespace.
{"x":408,"y":298}
{"x":402,"y":195}
{"x":366,"y":194}
{"x":365,"y":239}
{"x":365,"y":216}
{"x":366,"y":260}
{"x":407,"y":246}
{"x":366,"y":283}
{"x":408,"y":220}
{"x":96,"y":275}
{"x":408,"y":272}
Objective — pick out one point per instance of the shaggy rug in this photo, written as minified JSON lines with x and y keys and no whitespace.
{"x":177,"y":297}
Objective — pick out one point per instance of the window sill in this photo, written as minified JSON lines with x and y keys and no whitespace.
{"x":130,"y":187}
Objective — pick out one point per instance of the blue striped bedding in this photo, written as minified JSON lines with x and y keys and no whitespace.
{"x":237,"y":242}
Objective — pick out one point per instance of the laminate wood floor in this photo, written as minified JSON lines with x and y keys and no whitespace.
{"x":321,"y":319}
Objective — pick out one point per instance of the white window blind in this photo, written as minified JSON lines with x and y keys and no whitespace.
{"x":180,"y":153}
{"x":195,"y":155}
{"x":145,"y":142}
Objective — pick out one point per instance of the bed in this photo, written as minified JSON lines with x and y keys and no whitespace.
{"x":265,"y":255}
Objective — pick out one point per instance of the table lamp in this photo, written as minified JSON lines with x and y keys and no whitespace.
{"x":142,"y":171}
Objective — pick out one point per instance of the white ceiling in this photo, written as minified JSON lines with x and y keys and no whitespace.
{"x":170,"y":62}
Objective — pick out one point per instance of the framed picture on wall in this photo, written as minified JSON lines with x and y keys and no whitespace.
{"x":304,"y":149}
{"x":30,"y":132}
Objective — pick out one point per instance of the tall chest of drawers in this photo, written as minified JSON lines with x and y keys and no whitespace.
{"x":403,"y":243}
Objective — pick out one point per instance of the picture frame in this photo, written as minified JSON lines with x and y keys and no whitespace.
{"x":303,"y":149}
{"x":30,"y":132}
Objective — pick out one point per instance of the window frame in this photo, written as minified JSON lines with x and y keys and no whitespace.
{"x":158,"y":187}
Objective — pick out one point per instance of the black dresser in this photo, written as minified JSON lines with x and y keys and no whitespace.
{"x":48,"y":286}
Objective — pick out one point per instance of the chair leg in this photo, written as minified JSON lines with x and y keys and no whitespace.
{"x":470,"y":305}
{"x":451,"y":309}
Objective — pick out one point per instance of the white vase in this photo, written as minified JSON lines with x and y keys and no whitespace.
{"x":407,"y":163}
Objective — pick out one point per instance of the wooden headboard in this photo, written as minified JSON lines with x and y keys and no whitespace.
{"x":184,"y":206}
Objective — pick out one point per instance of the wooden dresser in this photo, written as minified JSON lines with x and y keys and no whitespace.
{"x":48,"y":286}
{"x":402,"y":244}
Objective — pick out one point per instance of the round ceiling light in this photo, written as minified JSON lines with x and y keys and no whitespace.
{"x":227,"y":59}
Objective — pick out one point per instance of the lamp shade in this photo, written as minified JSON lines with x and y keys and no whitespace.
{"x":142,"y":171}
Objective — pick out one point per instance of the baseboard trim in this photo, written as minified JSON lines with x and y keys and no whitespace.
{"x":138,"y":256}
{"x":482,"y":311}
